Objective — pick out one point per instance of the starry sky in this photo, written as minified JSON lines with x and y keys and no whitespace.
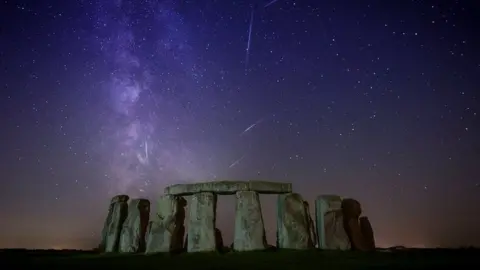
{"x":375,"y":100}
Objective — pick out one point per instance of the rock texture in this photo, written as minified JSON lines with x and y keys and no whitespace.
{"x":201,"y":222}
{"x":229,"y":187}
{"x":132,"y":238}
{"x":311,"y":225}
{"x":249,"y":229}
{"x":108,"y":220}
{"x":330,"y":223}
{"x":293,"y":225}
{"x":352,"y":211}
{"x":117,"y":214}
{"x":166,"y":230}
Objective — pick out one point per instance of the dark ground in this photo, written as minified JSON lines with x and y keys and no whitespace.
{"x":278,"y":260}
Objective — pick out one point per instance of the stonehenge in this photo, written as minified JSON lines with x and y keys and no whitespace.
{"x":337,"y":223}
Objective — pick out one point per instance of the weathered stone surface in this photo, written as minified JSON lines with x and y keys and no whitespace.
{"x":201,"y":222}
{"x":229,"y":187}
{"x":119,"y":210}
{"x":106,"y":225}
{"x":311,"y":225}
{"x":166,"y":231}
{"x":293,"y":230}
{"x":352,"y":210}
{"x":132,"y":238}
{"x":330,"y":230}
{"x":249,"y":229}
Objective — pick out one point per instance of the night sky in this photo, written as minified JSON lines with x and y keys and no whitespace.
{"x":375,"y":100}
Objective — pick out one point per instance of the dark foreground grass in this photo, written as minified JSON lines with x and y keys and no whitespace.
{"x":278,"y":260}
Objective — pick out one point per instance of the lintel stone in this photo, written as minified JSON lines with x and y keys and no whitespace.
{"x":229,"y":187}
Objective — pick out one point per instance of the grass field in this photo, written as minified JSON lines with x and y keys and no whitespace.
{"x":286,"y":259}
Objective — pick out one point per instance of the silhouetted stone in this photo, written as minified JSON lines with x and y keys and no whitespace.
{"x":116,"y":217}
{"x":352,"y":210}
{"x":367,"y":232}
{"x":330,"y":224}
{"x":201,"y":222}
{"x":132,"y":237}
{"x":293,"y":230}
{"x":166,"y":231}
{"x":249,"y":229}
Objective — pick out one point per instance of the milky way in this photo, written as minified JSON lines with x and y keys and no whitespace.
{"x":145,"y":143}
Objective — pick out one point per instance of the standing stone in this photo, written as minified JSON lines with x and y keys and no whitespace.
{"x":293,"y":231}
{"x":114,"y":223}
{"x":201,"y":222}
{"x":249,"y":230}
{"x":118,"y":198}
{"x":311,"y":225}
{"x":167,"y":229}
{"x":330,"y":227}
{"x":132,"y":238}
{"x":356,"y":231}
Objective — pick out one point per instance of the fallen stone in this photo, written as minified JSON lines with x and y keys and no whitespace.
{"x":229,"y":187}
{"x":249,"y":229}
{"x":115,"y":223}
{"x":108,"y":220}
{"x":219,"y":240}
{"x":132,"y":238}
{"x":293,"y":230}
{"x":201,"y":222}
{"x":166,"y":231}
{"x":330,"y":223}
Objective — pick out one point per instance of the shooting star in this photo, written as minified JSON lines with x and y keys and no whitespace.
{"x":249,"y":39}
{"x":236,"y":162}
{"x":146,"y":150}
{"x":252,"y":126}
{"x":270,"y":3}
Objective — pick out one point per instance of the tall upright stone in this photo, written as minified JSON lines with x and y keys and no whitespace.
{"x":330,"y":228}
{"x":132,"y":238}
{"x":249,"y":227}
{"x":201,"y":222}
{"x":117,"y":214}
{"x":108,"y":219}
{"x":166,"y":230}
{"x":293,"y":226}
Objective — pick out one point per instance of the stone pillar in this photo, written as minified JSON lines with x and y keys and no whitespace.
{"x":293,"y":231}
{"x":108,"y":219}
{"x":330,"y":230}
{"x":166,"y":230}
{"x":201,"y":222}
{"x":249,"y":229}
{"x":132,"y":238}
{"x":116,"y":217}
